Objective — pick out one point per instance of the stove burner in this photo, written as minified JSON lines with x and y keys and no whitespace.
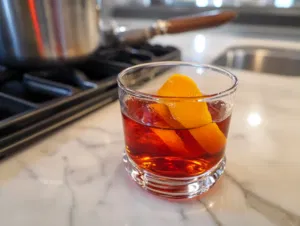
{"x":34,"y":103}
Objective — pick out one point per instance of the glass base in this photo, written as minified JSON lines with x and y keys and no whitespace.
{"x":171,"y":187}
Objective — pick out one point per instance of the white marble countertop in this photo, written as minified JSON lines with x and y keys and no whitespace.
{"x":75,"y":177}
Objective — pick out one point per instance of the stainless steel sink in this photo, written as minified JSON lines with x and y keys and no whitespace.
{"x":261,"y":59}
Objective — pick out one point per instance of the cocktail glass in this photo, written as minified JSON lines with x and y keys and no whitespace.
{"x":175,"y":145}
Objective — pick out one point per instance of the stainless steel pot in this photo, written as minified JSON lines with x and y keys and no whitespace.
{"x":37,"y":33}
{"x":48,"y":31}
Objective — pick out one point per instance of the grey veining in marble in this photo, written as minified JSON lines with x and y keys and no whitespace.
{"x":75,"y":177}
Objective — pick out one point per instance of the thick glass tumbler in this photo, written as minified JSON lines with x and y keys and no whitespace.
{"x":175,"y":143}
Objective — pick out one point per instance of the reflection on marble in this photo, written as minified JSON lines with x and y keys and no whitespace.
{"x":75,"y":177}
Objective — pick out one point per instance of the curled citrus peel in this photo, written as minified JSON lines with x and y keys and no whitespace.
{"x":187,"y":114}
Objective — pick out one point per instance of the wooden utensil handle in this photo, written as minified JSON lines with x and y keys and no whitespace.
{"x":198,"y":21}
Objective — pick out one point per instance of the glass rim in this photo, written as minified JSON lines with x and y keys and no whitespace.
{"x":213,"y":96}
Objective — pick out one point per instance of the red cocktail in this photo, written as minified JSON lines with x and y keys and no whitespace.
{"x":176,"y":138}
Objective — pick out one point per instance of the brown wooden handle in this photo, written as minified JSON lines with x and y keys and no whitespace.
{"x":199,"y":21}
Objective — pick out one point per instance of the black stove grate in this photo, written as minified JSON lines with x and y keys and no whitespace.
{"x":34,"y":103}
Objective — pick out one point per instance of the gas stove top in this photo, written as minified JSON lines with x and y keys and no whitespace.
{"x":34,"y":103}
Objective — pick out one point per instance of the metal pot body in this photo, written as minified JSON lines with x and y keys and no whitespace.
{"x":47,"y":31}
